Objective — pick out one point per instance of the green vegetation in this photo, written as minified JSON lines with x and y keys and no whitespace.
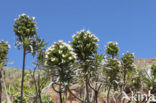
{"x":72,"y":72}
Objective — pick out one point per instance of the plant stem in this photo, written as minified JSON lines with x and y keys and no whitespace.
{"x":39,"y":88}
{"x":23,"y":68}
{"x":60,"y":94}
{"x":108,"y":94}
{"x":87,"y":91}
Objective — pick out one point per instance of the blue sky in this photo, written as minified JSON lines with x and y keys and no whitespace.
{"x":132,"y":23}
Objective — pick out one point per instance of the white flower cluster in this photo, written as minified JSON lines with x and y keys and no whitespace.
{"x":6,"y":43}
{"x":116,"y":43}
{"x":33,"y":18}
{"x":86,"y":34}
{"x":110,"y":43}
{"x":22,"y":15}
{"x":63,"y":49}
{"x":128,"y":52}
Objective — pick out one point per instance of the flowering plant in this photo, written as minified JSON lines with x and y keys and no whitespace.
{"x":112,"y":49}
{"x":127,"y":61}
{"x":3,"y":51}
{"x":60,"y":54}
{"x":84,"y":44}
{"x":25,"y":27}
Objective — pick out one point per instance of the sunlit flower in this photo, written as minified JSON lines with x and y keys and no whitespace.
{"x":63,"y":56}
{"x":58,"y":47}
{"x":133,"y":54}
{"x":88,"y":32}
{"x":22,"y":14}
{"x":116,"y":43}
{"x":74,"y":36}
{"x":96,"y":38}
{"x":70,"y":58}
{"x":33,"y":18}
{"x":52,"y":59}
{"x":82,"y":30}
{"x":61,"y":41}
{"x":60,"y":51}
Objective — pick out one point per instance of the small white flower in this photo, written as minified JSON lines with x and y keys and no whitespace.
{"x":33,"y":18}
{"x":88,"y":32}
{"x":63,"y":56}
{"x":119,"y":62}
{"x":60,"y":51}
{"x":22,"y":14}
{"x":45,"y":63}
{"x":73,"y":36}
{"x":63,"y":61}
{"x":70,"y":58}
{"x":82,"y":30}
{"x":73,"y":54}
{"x":61,"y":46}
{"x":61,"y":41}
{"x":46,"y":56}
{"x":52,"y":59}
{"x":97,"y":38}
{"x":93,"y":35}
{"x":116,"y":43}
{"x":9,"y":46}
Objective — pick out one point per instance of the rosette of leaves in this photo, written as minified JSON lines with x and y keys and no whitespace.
{"x":84,"y":45}
{"x":112,"y":49}
{"x":136,"y":82}
{"x":112,"y":70}
{"x":4,"y":47}
{"x":59,"y":56}
{"x":127,"y":63}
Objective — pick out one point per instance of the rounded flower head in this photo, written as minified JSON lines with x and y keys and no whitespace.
{"x":25,"y":27}
{"x":84,"y":44}
{"x":127,"y":60}
{"x":4,"y":47}
{"x":60,"y":54}
{"x":112,"y":49}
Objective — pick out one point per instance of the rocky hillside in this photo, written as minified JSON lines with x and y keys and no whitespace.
{"x":145,"y":62}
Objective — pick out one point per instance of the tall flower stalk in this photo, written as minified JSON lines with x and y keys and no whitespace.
{"x":84,"y":45}
{"x":112,"y":66}
{"x":25,"y":31}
